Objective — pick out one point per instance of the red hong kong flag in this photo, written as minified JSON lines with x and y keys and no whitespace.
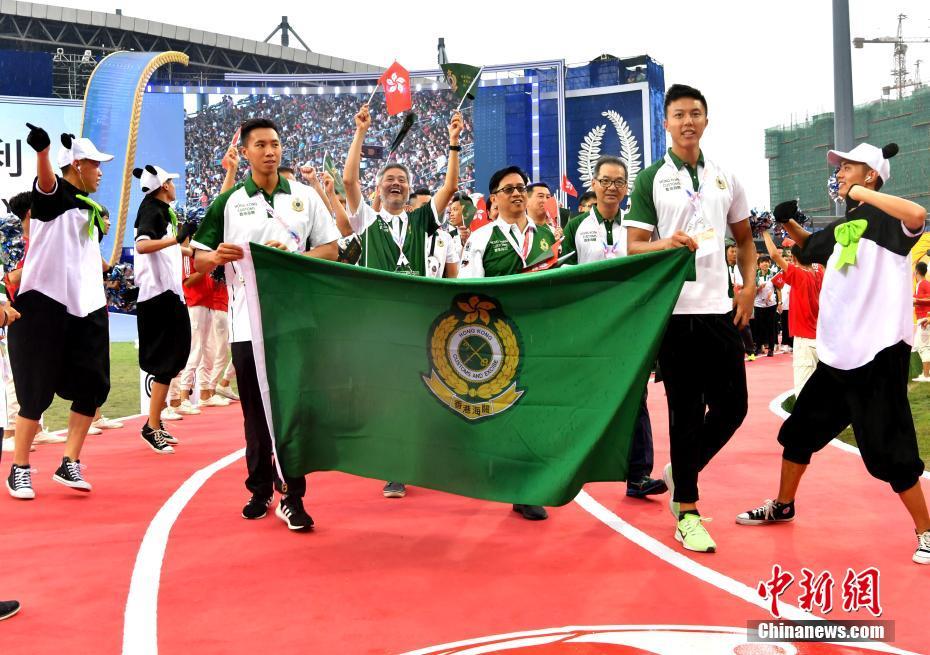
{"x":481,"y":216}
{"x":396,"y":84}
{"x":568,"y":187}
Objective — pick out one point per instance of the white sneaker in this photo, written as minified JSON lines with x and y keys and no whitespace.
{"x":187,"y":408}
{"x":921,"y":378}
{"x":43,"y":437}
{"x":227,"y":392}
{"x":105,"y":423}
{"x":169,"y":413}
{"x":215,"y":401}
{"x":93,"y":430}
{"x":922,"y":554}
{"x":8,"y":445}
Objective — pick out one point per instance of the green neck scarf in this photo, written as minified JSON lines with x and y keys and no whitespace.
{"x":96,"y":215}
{"x":848,"y":235}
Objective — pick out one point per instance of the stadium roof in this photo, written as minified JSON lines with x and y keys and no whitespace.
{"x":34,"y":26}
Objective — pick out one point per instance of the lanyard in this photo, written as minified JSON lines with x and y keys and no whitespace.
{"x":695,"y":198}
{"x":273,"y":213}
{"x":399,"y":239}
{"x":527,"y":236}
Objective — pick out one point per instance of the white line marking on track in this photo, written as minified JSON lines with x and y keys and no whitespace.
{"x":776,"y":409}
{"x":140,"y":622}
{"x":699,"y":571}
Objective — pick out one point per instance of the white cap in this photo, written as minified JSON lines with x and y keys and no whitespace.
{"x":864,"y":153}
{"x":152,"y":177}
{"x":80,"y":148}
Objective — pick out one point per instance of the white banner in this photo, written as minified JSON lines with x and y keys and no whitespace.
{"x":17,"y":159}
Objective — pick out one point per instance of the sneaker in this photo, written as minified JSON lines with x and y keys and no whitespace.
{"x":170,"y":413}
{"x":8,"y":608}
{"x":922,"y":554}
{"x":155,"y":439}
{"x":186,"y":407}
{"x":394,"y":490}
{"x":257,"y":507}
{"x":8,"y":445}
{"x":105,"y":423}
{"x":93,"y":430}
{"x":291,"y":511}
{"x":921,"y":378}
{"x":215,"y":401}
{"x":227,"y":392}
{"x":645,"y":486}
{"x":751,"y":357}
{"x":43,"y":437}
{"x":19,"y":482}
{"x":693,"y":535}
{"x":670,"y":484}
{"x":169,"y":438}
{"x":769,"y":512}
{"x":531,"y":512}
{"x":69,"y":474}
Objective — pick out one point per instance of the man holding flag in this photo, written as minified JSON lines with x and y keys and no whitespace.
{"x":268,"y":209}
{"x":594,"y":237}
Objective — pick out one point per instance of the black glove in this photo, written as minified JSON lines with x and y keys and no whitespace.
{"x":186,"y":230}
{"x":38,"y":138}
{"x":785,"y":211}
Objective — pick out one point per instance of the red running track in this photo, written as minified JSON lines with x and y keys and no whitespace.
{"x":388,"y":577}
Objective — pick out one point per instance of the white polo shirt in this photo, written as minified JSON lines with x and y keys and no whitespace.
{"x":669,"y":196}
{"x":442,"y":248}
{"x":294,"y":215}
{"x":587,"y":236}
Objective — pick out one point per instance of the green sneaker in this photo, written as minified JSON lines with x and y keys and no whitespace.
{"x":693,"y":536}
{"x":670,"y":483}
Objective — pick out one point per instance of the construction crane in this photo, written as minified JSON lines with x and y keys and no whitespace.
{"x":899,"y":72}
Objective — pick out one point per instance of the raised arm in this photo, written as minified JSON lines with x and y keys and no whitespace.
{"x":774,"y":252}
{"x":231,"y":164}
{"x":342,"y":219}
{"x":785,"y":214}
{"x":350,"y":175}
{"x":448,"y":189}
{"x":910,"y":213}
{"x":39,"y":141}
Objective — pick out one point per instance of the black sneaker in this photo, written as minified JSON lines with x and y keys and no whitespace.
{"x":531,"y":512}
{"x":291,"y":511}
{"x":156,"y":439}
{"x":169,"y":439}
{"x":394,"y":490}
{"x":645,"y":486}
{"x":257,"y":507}
{"x":8,"y":608}
{"x":19,"y":482}
{"x":69,"y":474}
{"x":770,"y":512}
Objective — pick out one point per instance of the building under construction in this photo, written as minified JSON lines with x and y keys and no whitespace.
{"x":797,"y":154}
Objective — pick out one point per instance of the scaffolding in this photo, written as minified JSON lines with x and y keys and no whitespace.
{"x":797,"y":153}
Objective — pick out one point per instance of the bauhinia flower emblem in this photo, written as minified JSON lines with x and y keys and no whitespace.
{"x":475,"y":309}
{"x":395,"y":84}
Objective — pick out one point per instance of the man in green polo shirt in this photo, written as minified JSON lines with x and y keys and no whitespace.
{"x":393,"y":239}
{"x":264,"y":208}
{"x":685,"y":200}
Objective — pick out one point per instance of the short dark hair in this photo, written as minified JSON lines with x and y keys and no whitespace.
{"x":104,"y":211}
{"x":286,"y":169}
{"x":678,"y":91}
{"x":730,"y":245}
{"x":587,"y":195}
{"x":422,"y":191}
{"x":255,"y":124}
{"x":535,"y":185}
{"x":799,"y":255}
{"x":921,"y":268}
{"x":20,"y":204}
{"x":764,"y":258}
{"x":461,"y":196}
{"x":504,"y":172}
{"x":610,"y":159}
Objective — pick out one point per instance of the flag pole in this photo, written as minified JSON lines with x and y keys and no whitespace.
{"x":372,"y":96}
{"x":470,"y":86}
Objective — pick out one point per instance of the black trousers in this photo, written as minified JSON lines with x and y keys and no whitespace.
{"x":873,"y":398}
{"x":701,"y":357}
{"x":259,"y":456}
{"x":641,"y":452}
{"x":786,"y":338}
{"x":763,"y":327}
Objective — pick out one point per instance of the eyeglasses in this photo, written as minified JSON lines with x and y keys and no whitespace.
{"x":620,"y":183}
{"x":508,"y":190}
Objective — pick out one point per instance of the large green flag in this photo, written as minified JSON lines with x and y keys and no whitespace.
{"x":460,"y":78}
{"x":516,"y":389}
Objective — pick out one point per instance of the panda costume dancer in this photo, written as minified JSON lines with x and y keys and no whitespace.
{"x":61,"y":345}
{"x":161,"y":312}
{"x":864,"y":334}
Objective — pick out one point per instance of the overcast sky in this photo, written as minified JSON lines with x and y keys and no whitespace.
{"x":759,"y":64}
